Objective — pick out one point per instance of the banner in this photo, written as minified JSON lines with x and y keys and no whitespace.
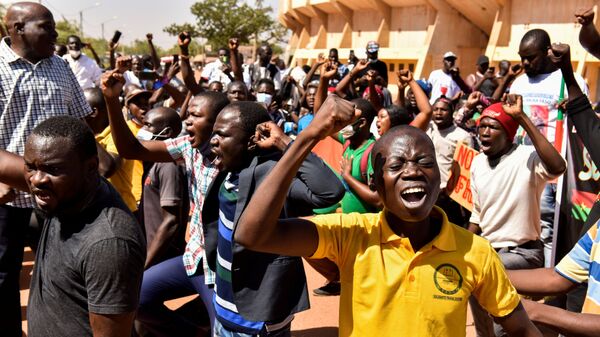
{"x":462,"y":181}
{"x":580,"y":186}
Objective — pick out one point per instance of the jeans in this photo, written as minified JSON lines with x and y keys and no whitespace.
{"x":529,"y":257}
{"x":13,"y":227}
{"x":547,"y":206}
{"x":165,"y":281}
{"x":221,"y":331}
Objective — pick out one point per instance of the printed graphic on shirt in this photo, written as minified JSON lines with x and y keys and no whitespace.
{"x":447,"y":279}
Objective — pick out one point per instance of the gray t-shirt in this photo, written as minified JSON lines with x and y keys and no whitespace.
{"x":91,"y":263}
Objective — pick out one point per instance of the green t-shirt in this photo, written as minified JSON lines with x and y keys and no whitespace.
{"x":351,"y":202}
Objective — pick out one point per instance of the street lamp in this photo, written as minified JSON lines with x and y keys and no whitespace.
{"x":97,"y":4}
{"x":102,"y":25}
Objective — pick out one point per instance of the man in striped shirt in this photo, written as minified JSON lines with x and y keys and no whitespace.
{"x":257,"y":293}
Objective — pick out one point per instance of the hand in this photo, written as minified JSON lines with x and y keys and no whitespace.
{"x":321,"y":59}
{"x":371,"y":76}
{"x":560,"y":55}
{"x":234,"y":44}
{"x":7,"y":194}
{"x":515,"y":70}
{"x":149,"y":37}
{"x":226,"y":68}
{"x":455,"y":72}
{"x":334,"y":114}
{"x":513,"y":106}
{"x":112,"y":83}
{"x":404,"y":77}
{"x":269,"y":136}
{"x":113,"y":46}
{"x":360,"y":66}
{"x":123,"y":64}
{"x":473,"y":100}
{"x":86,"y":45}
{"x":585,"y":17}
{"x":173,"y":70}
{"x":531,"y":308}
{"x":489,"y":74}
{"x":453,"y":179}
{"x":328,"y":70}
{"x":183,"y":40}
{"x":346,"y":166}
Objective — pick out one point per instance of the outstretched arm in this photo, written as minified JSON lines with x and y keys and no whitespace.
{"x":187,"y":73}
{"x":328,"y":71}
{"x":236,"y":65}
{"x":259,"y":228}
{"x":550,"y":157}
{"x":155,"y":59}
{"x":347,"y":81}
{"x":127,"y":145}
{"x":565,"y":322}
{"x":320,"y":61}
{"x":539,"y":282}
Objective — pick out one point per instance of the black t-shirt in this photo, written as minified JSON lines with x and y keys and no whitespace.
{"x":378,"y":65}
{"x":91,"y":263}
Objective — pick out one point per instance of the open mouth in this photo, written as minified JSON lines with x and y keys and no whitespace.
{"x":42,"y":198}
{"x":414,"y":195}
{"x":215,"y":158}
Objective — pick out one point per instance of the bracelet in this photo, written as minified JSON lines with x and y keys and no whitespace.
{"x":185,"y":57}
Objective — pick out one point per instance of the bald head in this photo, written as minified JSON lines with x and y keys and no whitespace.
{"x":402,"y":133}
{"x":32,"y":32}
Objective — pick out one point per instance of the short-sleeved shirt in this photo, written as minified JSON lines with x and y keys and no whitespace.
{"x":582,"y":264}
{"x":92,"y":263}
{"x":31,"y":93}
{"x":442,"y":84}
{"x":506,"y":197}
{"x":127,"y":180}
{"x":388,"y":289}
{"x":351,"y":201}
{"x":165,"y":186}
{"x":200,"y":174}
{"x":304,"y":121}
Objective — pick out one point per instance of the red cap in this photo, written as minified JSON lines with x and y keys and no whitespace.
{"x":496,"y":112}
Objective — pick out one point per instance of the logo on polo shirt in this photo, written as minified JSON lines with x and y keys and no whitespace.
{"x":447,"y":279}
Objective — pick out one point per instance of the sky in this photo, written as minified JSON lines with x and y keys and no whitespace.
{"x":134,"y":18}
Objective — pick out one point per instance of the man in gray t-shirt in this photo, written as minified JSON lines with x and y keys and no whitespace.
{"x":90,"y":260}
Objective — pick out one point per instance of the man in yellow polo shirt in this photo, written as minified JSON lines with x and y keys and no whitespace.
{"x":405,"y":271}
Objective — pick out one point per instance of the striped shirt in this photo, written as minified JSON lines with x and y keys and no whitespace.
{"x":582,"y":264}
{"x":31,"y":93}
{"x":225,"y":308}
{"x":200,"y":174}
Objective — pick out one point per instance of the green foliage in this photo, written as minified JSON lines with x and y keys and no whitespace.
{"x":3,"y":31}
{"x":65,"y":28}
{"x":219,"y":20}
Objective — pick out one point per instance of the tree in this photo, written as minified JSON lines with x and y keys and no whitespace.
{"x":219,"y":20}
{"x":64,"y":28}
{"x":3,"y":31}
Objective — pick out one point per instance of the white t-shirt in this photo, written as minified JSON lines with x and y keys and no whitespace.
{"x":506,"y":198}
{"x":86,"y":71}
{"x":445,"y":145}
{"x":213,"y":72}
{"x":439,"y":80}
{"x":540,"y":99}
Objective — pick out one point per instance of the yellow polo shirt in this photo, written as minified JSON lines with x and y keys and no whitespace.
{"x":127,"y":180}
{"x":390,"y":290}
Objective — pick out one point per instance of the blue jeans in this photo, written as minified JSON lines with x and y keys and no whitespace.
{"x":547,"y":207}
{"x":166,"y":281}
{"x":13,"y":226}
{"x":221,"y":331}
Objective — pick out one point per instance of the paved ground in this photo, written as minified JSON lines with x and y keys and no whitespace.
{"x":320,"y":321}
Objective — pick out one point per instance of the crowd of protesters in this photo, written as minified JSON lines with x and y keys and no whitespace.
{"x":137,"y":183}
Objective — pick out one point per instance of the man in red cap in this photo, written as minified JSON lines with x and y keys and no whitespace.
{"x":507,"y":181}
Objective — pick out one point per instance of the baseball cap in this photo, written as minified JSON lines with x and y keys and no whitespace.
{"x":372,"y":46}
{"x":482,"y":59}
{"x":449,"y":54}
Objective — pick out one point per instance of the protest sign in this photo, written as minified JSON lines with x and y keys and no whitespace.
{"x":461,"y":179}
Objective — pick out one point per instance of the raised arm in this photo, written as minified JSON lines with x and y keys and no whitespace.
{"x":588,"y":36}
{"x":320,"y":61}
{"x":183,"y":40}
{"x":328,"y":71}
{"x":342,"y":87}
{"x":259,"y":227}
{"x":236,"y":65}
{"x":505,"y":81}
{"x":455,"y":73}
{"x":489,"y":75}
{"x":579,"y":109}
{"x":401,"y":98}
{"x":96,"y":58}
{"x":373,"y":95}
{"x":421,"y":120}
{"x":550,"y":157}
{"x":112,"y":47}
{"x":155,"y":59}
{"x":127,"y":145}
